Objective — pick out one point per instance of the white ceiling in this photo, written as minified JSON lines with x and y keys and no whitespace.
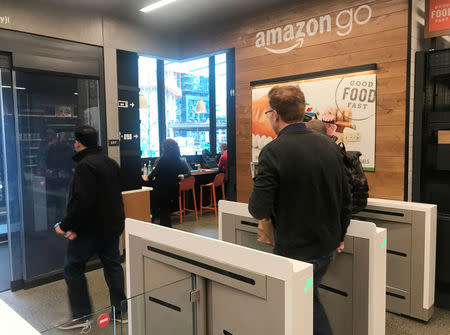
{"x":180,"y":15}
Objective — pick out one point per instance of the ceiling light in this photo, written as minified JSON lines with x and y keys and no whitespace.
{"x":156,"y":5}
{"x":76,"y":93}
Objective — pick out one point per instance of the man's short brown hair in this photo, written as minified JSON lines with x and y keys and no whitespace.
{"x":289,"y":102}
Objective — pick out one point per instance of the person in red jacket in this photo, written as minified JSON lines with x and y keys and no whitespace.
{"x":222,"y":166}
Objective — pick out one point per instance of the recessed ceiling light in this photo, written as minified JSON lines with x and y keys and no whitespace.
{"x":76,"y":93}
{"x":156,"y":5}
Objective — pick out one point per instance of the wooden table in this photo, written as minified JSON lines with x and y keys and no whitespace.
{"x":203,"y":176}
{"x":137,"y":205}
{"x":204,"y":171}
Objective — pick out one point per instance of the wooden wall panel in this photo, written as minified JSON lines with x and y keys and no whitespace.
{"x":383,"y":40}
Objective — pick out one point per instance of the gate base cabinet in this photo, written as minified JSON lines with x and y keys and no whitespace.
{"x":352,"y":291}
{"x":181,"y":283}
{"x":411,"y":254}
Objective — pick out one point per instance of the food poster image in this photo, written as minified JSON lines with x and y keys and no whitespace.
{"x":345,"y":103}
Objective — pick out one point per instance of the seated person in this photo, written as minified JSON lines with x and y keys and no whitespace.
{"x":209,"y":159}
{"x":165,"y":178}
{"x":222,"y":166}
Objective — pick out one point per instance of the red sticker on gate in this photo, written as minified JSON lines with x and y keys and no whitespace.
{"x":103,"y":320}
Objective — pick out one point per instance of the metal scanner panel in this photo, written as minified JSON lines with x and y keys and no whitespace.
{"x":411,"y":247}
{"x":352,"y":291}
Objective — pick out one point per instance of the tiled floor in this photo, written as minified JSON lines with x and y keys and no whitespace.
{"x":47,"y":305}
{"x":438,"y":325}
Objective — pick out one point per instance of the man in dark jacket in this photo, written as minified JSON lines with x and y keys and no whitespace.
{"x":301,"y":184}
{"x":95,"y":213}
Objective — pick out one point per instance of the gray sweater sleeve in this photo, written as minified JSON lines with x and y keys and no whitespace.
{"x":266,"y":187}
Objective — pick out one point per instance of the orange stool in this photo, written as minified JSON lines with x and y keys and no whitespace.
{"x":219,"y":180}
{"x":186,"y":185}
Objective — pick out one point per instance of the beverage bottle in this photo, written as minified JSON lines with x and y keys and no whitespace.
{"x":145,"y":170}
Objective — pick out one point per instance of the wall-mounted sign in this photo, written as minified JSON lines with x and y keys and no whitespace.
{"x":126,"y":137}
{"x":4,"y":19}
{"x":437,"y":18}
{"x":113,"y":143}
{"x":291,"y":36}
{"x":129,"y":137}
{"x":345,"y":103}
{"x":103,"y":320}
{"x":123,"y":104}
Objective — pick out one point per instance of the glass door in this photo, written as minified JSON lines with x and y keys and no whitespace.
{"x":165,"y":310}
{"x":5,"y":107}
{"x":49,"y":107}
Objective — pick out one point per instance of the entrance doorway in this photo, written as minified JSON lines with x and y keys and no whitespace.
{"x":39,"y":111}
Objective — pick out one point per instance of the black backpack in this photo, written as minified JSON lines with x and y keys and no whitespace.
{"x":356,"y":178}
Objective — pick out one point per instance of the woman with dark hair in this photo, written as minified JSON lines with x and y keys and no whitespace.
{"x":165,"y":178}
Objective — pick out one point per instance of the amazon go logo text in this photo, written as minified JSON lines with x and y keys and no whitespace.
{"x":295,"y":34}
{"x":4,"y":19}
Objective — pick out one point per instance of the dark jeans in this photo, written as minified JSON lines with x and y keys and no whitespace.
{"x":321,"y":323}
{"x":78,"y":253}
{"x":165,"y":202}
{"x":162,"y":204}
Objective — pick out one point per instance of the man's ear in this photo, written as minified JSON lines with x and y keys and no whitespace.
{"x":277,"y":116}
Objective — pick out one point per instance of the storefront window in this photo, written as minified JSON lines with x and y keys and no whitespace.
{"x":221,"y":99}
{"x":187,"y":104}
{"x":148,"y":107}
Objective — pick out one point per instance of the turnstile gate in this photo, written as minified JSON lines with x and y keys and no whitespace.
{"x":411,"y":254}
{"x":196,"y":285}
{"x":352,"y":291}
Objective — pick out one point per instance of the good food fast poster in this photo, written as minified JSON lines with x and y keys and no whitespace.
{"x":346,"y":104}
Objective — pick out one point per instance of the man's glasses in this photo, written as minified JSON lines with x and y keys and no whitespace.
{"x":269,"y":111}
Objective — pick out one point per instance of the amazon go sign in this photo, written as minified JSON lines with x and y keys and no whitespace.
{"x":295,"y":34}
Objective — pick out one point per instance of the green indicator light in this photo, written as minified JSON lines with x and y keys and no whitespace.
{"x":384,"y":243}
{"x":308,"y":284}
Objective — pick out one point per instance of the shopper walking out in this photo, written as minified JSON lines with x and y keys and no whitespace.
{"x":94,"y":222}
